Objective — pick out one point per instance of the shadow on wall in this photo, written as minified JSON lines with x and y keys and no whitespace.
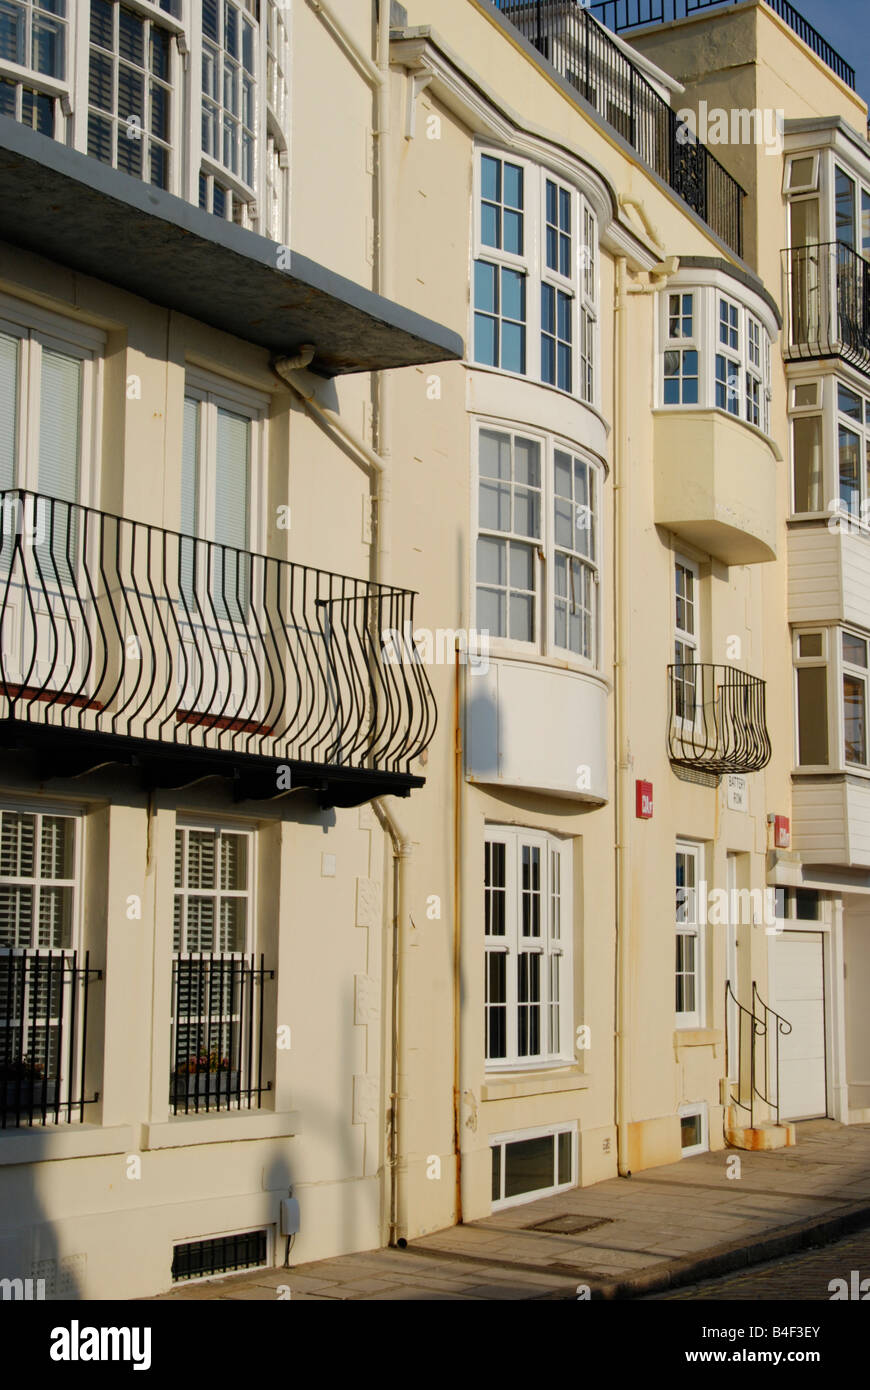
{"x":31,"y":1265}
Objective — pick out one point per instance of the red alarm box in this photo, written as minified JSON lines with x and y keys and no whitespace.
{"x":781,"y":832}
{"x":644,"y":791}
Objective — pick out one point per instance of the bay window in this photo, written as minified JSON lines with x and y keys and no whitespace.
{"x":715,"y":354}
{"x":229,"y":96}
{"x":832,"y":671}
{"x":528,"y":946}
{"x":130,"y":92}
{"x":534,"y":276}
{"x":537,"y":548}
{"x":830,"y":446}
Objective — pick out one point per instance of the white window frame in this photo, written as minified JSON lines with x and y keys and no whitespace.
{"x":184,"y":825}
{"x":705,"y":341}
{"x":35,"y":329}
{"x":69,"y":1084}
{"x":822,"y":661}
{"x":25,"y":77}
{"x":242,"y":205}
{"x":688,"y":924}
{"x":853,"y":670}
{"x":682,"y":343}
{"x":812,"y":186}
{"x":730,"y":352}
{"x":554,"y":942}
{"x":699,"y":1109}
{"x":581,"y":285}
{"x":544,"y":546}
{"x":686,"y":639}
{"x":539,"y":1132}
{"x":152,"y":16}
{"x":214,"y":393}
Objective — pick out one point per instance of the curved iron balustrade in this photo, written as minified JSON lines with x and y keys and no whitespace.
{"x":827,"y":303}
{"x":716,"y":719}
{"x":119,"y":628}
{"x":756,"y":1080}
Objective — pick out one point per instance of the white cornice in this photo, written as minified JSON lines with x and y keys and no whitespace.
{"x":424,"y":56}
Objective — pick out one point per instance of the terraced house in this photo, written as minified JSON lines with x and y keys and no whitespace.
{"x":420,"y":908}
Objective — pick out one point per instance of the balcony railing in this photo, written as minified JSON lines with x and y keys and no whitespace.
{"x":827,"y":301}
{"x":717,"y":721}
{"x":623,"y":15}
{"x":145,"y":644}
{"x":217,"y":1032}
{"x":582,"y":51}
{"x":43,"y":1036}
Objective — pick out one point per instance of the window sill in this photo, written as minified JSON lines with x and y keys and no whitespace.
{"x":221,"y":1128}
{"x":698,"y":1037}
{"x":41,"y":1143}
{"x":516,"y":1085}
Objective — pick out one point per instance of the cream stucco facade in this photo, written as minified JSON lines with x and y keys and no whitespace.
{"x":451,"y":335}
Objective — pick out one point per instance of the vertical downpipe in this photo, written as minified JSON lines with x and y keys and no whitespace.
{"x":621,"y":799}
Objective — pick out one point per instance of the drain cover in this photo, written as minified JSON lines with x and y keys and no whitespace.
{"x":571,"y":1224}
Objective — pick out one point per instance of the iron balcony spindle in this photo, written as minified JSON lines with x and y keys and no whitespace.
{"x":217,"y":1027}
{"x":126,"y":630}
{"x":582,"y":51}
{"x":827,"y":301}
{"x":43,"y":1038}
{"x":717,"y":719}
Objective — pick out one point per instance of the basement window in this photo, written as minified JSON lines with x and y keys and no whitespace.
{"x":532,"y":1163}
{"x":202,"y":1259}
{"x":694,"y":1130}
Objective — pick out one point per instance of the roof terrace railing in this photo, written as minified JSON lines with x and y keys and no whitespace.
{"x":622,"y":15}
{"x":583,"y":52}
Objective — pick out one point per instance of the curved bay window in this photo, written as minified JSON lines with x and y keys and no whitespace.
{"x":535,"y":276}
{"x":537,"y":550}
{"x":716,"y":354}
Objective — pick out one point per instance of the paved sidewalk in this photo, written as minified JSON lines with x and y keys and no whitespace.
{"x":663,"y":1228}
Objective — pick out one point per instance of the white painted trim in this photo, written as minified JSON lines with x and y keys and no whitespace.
{"x":539,"y":1132}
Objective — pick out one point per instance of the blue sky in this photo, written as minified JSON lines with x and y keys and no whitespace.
{"x":846,"y":25}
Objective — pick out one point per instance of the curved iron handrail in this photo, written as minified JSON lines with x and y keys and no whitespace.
{"x":753,"y":1027}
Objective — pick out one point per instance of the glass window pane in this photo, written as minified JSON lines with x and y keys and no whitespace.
{"x":807,"y":454}
{"x":854,"y":650}
{"x":529,"y":1165}
{"x":812,"y":715}
{"x":854,"y":731}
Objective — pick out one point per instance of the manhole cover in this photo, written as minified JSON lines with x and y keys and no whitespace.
{"x":569,"y":1225}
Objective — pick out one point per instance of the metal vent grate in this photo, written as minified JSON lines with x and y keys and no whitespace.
{"x":196,"y":1259}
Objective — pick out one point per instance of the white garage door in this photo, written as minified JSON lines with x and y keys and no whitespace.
{"x":799,"y":979}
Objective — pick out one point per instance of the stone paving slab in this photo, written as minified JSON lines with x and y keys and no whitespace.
{"x":665,"y":1228}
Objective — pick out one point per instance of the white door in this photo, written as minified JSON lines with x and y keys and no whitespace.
{"x":800,"y":997}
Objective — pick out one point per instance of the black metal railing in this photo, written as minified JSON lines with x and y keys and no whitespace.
{"x":122,"y":628}
{"x":827,"y":302}
{"x":43,"y":1036}
{"x":752,"y":1053}
{"x":217,"y":1031}
{"x":622,"y":15}
{"x":716,"y":720}
{"x":583,"y":52}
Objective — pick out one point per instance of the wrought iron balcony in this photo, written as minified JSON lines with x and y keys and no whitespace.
{"x":43,"y":1036}
{"x":827,"y":303}
{"x":582,"y":51}
{"x":624,"y":15}
{"x":716,"y":719}
{"x":124,"y":642}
